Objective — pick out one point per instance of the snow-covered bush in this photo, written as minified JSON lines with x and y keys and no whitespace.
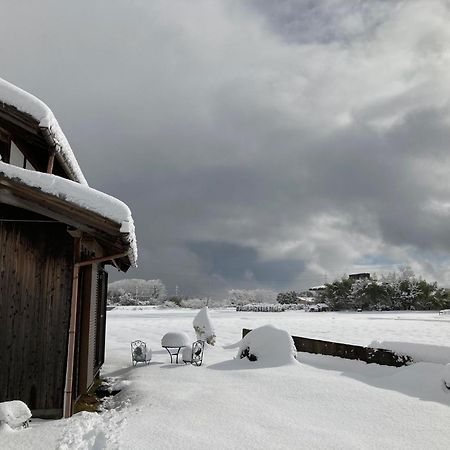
{"x":245,"y":296}
{"x":203,"y":326}
{"x":168,"y":304}
{"x":14,"y":413}
{"x":269,"y":345}
{"x":261,"y":307}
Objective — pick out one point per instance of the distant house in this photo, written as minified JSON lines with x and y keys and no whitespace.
{"x":56,"y":236}
{"x":316,"y":290}
{"x":359,"y":276}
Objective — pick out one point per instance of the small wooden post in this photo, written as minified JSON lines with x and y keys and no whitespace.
{"x":51,"y":160}
{"x":5,"y":146}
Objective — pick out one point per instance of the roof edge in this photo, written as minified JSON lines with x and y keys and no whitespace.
{"x":27,"y":103}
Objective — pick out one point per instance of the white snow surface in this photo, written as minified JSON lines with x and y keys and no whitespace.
{"x":80,"y":195}
{"x":14,"y":413}
{"x":28,"y":103}
{"x":203,"y":326}
{"x":321,"y":402}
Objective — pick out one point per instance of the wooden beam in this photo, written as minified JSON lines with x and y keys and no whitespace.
{"x":18,"y":118}
{"x":50,"y":205}
{"x":102,"y":259}
{"x":105,"y":231}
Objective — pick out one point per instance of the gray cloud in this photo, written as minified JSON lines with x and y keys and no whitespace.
{"x":270,"y":145}
{"x":325,"y":21}
{"x":241,"y":265}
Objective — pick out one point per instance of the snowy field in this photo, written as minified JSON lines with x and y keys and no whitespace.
{"x":317,"y":403}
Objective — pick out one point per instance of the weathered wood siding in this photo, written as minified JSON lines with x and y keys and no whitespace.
{"x":89,"y":354}
{"x":36,"y":263}
{"x":92,"y":325}
{"x":102,"y":290}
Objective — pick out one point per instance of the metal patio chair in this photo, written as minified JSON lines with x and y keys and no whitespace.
{"x":194,"y":355}
{"x":140,"y":353}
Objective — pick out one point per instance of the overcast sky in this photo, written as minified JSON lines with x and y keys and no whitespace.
{"x":262,"y":143}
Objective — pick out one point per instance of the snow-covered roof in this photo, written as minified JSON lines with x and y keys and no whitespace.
{"x":28,"y":103}
{"x":79,"y":195}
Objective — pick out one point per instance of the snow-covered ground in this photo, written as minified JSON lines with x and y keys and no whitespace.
{"x":319,"y":402}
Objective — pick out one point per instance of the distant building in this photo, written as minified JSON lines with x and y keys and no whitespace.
{"x":316,"y":290}
{"x":359,"y":276}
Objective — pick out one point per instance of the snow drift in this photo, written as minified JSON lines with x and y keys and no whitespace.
{"x":418,"y":352}
{"x":267,"y":345}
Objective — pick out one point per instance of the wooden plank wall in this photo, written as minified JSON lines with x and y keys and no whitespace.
{"x":102,"y":289}
{"x":92,"y":325}
{"x":36,"y":262}
{"x":348,"y":351}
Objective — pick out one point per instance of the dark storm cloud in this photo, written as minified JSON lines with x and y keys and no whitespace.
{"x":240,"y":265}
{"x":266,"y":145}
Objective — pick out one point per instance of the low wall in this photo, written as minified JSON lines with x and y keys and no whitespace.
{"x":348,"y":351}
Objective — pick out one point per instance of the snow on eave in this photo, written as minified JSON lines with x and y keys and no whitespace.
{"x":28,"y":103}
{"x":79,"y":195}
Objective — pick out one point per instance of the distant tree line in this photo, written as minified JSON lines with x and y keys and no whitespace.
{"x":137,"y":292}
{"x":396,"y":291}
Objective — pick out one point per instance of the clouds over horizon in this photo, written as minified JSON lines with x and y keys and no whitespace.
{"x":259,"y":144}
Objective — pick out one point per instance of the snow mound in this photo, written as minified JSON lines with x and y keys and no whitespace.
{"x":175,"y":340}
{"x":269,"y":345}
{"x":203,"y":326}
{"x":438,"y":354}
{"x":14,"y":413}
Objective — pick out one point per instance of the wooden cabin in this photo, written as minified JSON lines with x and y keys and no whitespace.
{"x":57,"y":235}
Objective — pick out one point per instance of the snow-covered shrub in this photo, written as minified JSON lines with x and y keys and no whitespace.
{"x":245,"y":296}
{"x":268,"y":344}
{"x":203,"y":327}
{"x":168,"y":304}
{"x":14,"y":413}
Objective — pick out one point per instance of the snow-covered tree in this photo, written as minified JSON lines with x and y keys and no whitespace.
{"x":144,"y":292}
{"x":246,"y":296}
{"x":287,"y":297}
{"x":393,"y":291}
